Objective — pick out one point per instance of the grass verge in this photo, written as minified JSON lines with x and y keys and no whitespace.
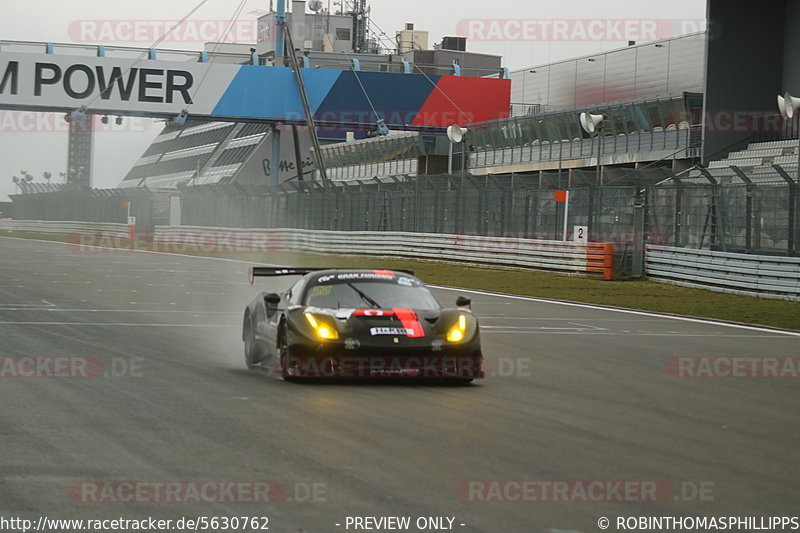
{"x":641,"y":295}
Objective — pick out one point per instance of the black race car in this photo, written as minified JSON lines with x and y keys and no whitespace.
{"x":347,"y":323}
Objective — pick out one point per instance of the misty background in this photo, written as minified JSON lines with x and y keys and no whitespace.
{"x":117,"y":148}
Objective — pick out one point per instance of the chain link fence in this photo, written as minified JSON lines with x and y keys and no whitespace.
{"x":729,"y":217}
{"x":87,"y":205}
{"x":751,"y":218}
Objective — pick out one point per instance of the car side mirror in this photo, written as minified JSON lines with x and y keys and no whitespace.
{"x":463,"y":301}
{"x":271,"y":301}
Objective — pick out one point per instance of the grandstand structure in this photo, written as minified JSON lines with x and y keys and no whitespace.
{"x":650,"y":96}
{"x":202,"y":153}
{"x":690,"y":135}
{"x":757,"y":161}
{"x":197,"y":153}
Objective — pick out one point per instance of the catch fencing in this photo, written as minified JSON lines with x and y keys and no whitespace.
{"x":591,"y":258}
{"x":734,"y":216}
{"x":88,"y":205}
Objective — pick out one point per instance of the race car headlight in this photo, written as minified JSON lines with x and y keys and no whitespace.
{"x":457,"y":332}
{"x":324,"y":331}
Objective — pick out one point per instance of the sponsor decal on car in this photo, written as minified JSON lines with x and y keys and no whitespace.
{"x":373,"y":313}
{"x":346,"y":276}
{"x":406,"y":332}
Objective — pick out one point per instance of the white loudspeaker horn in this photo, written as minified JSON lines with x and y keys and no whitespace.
{"x":456,"y":133}
{"x":590,"y":122}
{"x":788,"y":104}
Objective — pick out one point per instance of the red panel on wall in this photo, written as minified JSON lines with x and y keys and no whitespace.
{"x":475,"y":99}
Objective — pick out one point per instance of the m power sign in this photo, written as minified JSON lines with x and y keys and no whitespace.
{"x":163,"y":89}
{"x":111,"y":85}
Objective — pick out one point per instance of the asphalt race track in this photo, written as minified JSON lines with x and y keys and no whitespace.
{"x":575,"y":394}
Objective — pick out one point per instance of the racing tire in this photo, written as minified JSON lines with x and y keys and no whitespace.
{"x":284,"y":355}
{"x":252,"y":356}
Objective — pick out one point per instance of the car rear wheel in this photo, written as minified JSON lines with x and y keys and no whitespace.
{"x":252,"y":356}
{"x":285,"y":357}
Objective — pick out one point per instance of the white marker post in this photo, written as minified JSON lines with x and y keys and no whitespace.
{"x":131,"y":222}
{"x":566,"y":214}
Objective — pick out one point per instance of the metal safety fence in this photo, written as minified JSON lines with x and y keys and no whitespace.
{"x":735,"y":216}
{"x":87,"y":205}
{"x":748,"y":274}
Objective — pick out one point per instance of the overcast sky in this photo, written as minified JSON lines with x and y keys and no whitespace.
{"x":116,"y":150}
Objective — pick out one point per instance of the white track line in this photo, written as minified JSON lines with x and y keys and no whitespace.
{"x":621,"y":310}
{"x":486,"y":293}
{"x":119,"y":324}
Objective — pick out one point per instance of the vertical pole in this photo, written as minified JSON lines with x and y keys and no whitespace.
{"x":748,"y":234}
{"x":464,"y":158}
{"x":713,"y":212}
{"x":298,"y":158}
{"x":637,"y":262}
{"x":131,"y":227}
{"x":275,"y":164}
{"x":599,"y":153}
{"x":792,"y":245}
{"x":566,"y":215}
{"x":676,"y":232}
{"x":280,"y":18}
{"x":450,"y":161}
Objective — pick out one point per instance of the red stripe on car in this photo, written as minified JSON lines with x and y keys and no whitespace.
{"x":410,"y":322}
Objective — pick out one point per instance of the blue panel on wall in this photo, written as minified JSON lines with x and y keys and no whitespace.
{"x":397,"y":97}
{"x":258,"y":91}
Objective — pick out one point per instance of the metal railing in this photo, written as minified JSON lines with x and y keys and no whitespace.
{"x":753,"y":275}
{"x":591,"y":258}
{"x":684,"y":143}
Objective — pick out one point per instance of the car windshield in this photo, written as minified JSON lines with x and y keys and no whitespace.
{"x":371,"y":294}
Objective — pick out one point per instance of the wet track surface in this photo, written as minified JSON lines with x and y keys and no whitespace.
{"x":574,"y":393}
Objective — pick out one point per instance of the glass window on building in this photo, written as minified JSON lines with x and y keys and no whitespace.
{"x":654,"y":113}
{"x":670,"y":121}
{"x":637,"y":118}
{"x":529,"y":133}
{"x":615,"y":125}
{"x":573,"y":126}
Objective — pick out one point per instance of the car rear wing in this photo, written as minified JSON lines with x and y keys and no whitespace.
{"x":255,"y":272}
